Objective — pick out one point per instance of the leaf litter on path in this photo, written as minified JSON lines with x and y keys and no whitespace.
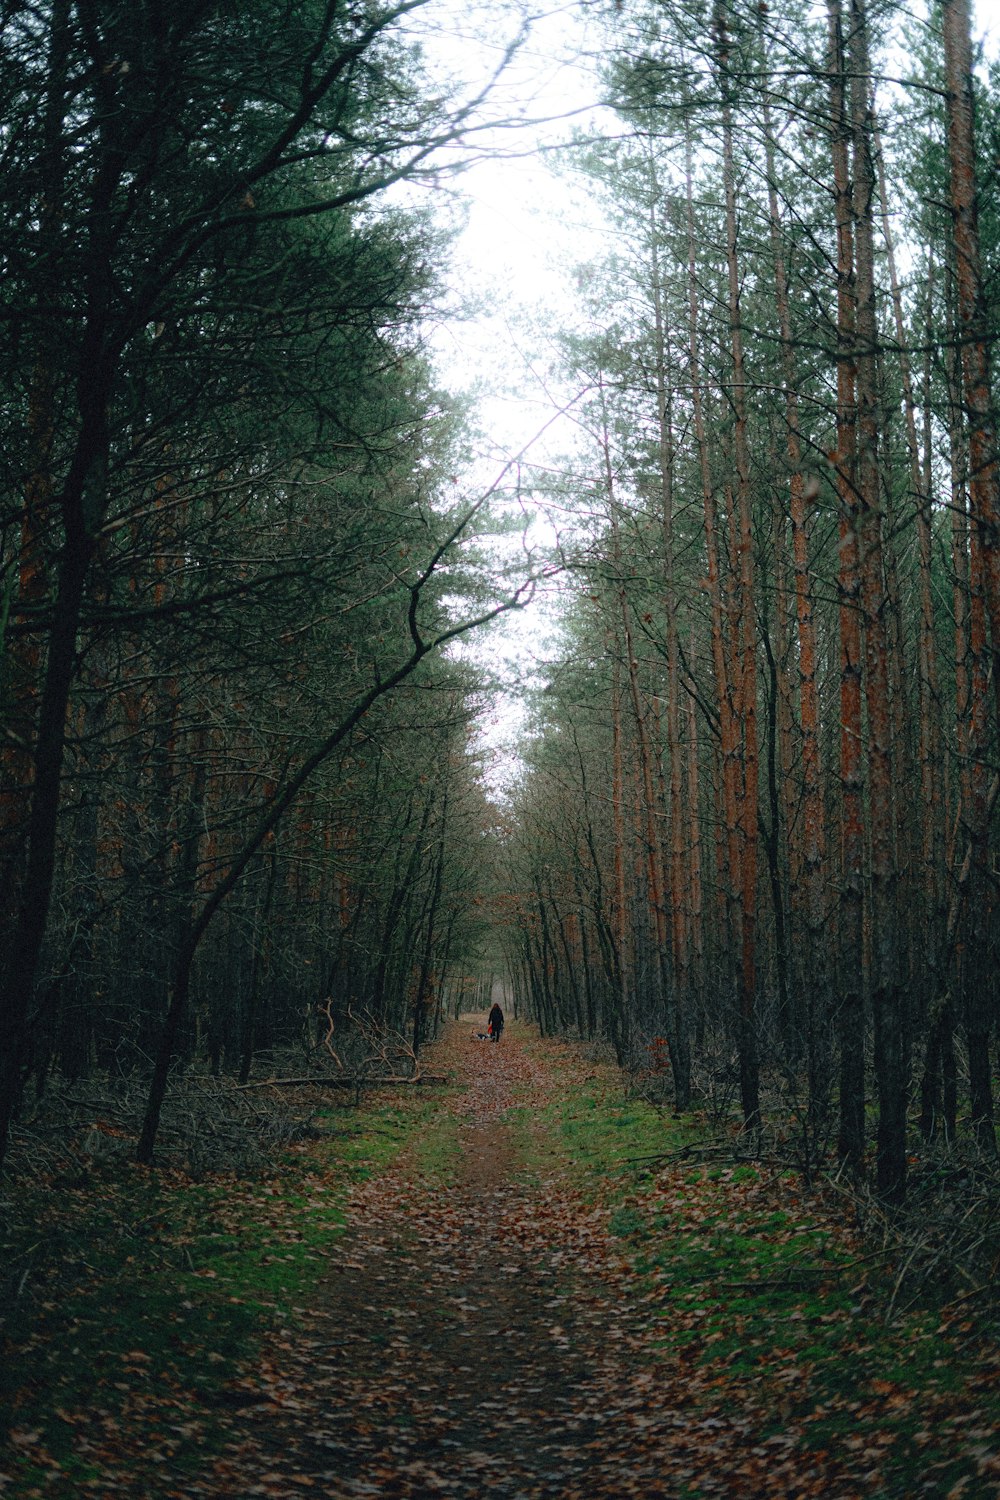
{"x":483,"y":1333}
{"x":538,"y":1299}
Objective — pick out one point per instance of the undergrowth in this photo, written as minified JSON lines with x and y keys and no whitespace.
{"x":132,"y":1296}
{"x":759,"y":1286}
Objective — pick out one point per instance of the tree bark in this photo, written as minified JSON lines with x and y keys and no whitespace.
{"x":984,"y":519}
{"x":729,"y":848}
{"x":888,"y":1007}
{"x":851,"y":1132}
{"x":815,"y":971}
{"x":746,"y":703}
{"x":680,"y":980}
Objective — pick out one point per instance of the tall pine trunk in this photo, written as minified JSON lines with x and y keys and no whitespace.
{"x":851,"y":1007}
{"x":984,"y":521}
{"x":679,"y":975}
{"x":888,"y":1005}
{"x":745,"y":706}
{"x":800,"y":494}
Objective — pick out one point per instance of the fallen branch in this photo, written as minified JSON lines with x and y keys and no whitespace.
{"x":706,"y":1149}
{"x":344,"y":1081}
{"x":793,"y":1282}
{"x":706,"y":1152}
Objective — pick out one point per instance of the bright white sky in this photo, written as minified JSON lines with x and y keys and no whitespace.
{"x":524,"y":231}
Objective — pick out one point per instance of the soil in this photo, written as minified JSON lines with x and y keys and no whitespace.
{"x":481,"y":1339}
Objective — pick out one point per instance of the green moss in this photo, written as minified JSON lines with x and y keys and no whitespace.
{"x":436,"y":1148}
{"x":599,"y":1131}
{"x":140,"y":1282}
{"x":751,"y":1289}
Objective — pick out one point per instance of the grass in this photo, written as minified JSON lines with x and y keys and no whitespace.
{"x":138,"y":1284}
{"x":142,"y":1294}
{"x":602,"y":1133}
{"x":436,"y":1148}
{"x":760,"y":1288}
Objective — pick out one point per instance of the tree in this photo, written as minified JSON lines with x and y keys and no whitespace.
{"x":819,"y":398}
{"x":164,"y":172}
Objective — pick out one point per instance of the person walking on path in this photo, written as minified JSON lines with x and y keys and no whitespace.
{"x":495,"y":1024}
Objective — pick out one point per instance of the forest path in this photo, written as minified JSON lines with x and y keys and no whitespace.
{"x":480,"y":1333}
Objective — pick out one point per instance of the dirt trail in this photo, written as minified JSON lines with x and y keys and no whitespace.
{"x":474,"y":1340}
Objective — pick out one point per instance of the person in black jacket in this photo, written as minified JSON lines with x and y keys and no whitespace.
{"x":495,"y":1023}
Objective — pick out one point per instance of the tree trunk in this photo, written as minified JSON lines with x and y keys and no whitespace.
{"x":696,"y":914}
{"x":679,"y":976}
{"x":851,"y":1133}
{"x":984,"y":515}
{"x":888,"y":1008}
{"x":619,"y":909}
{"x":746,"y":704}
{"x":729,"y":849}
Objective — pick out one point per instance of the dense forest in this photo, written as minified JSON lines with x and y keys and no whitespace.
{"x":751,"y":842}
{"x":754,"y":843}
{"x":237,"y":798}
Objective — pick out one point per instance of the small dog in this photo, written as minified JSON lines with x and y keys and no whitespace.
{"x":480,"y":1036}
